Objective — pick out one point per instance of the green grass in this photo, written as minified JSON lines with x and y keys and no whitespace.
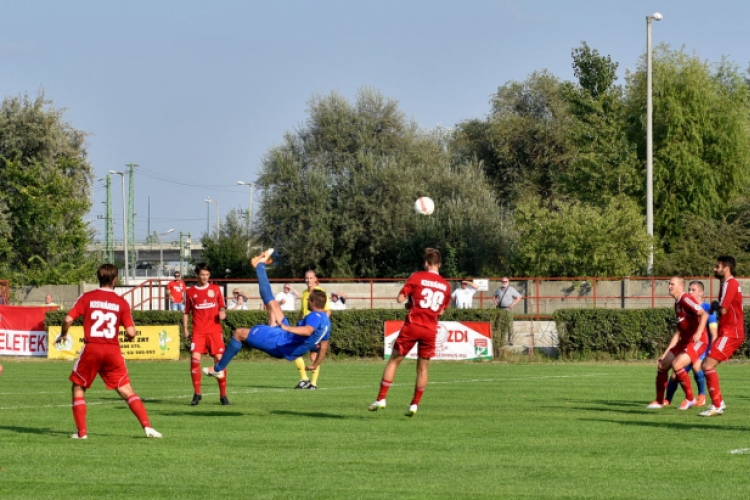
{"x":493,"y":430}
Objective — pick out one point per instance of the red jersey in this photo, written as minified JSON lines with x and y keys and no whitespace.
{"x":103,"y":313}
{"x":429,"y":295}
{"x":176,"y":290}
{"x":204,"y":303}
{"x":732,"y":323}
{"x":688,"y":312}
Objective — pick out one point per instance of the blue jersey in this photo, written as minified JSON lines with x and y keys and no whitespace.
{"x":293,"y":346}
{"x":711,"y":316}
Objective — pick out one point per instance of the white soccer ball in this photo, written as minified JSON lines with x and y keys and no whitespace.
{"x":424,"y":206}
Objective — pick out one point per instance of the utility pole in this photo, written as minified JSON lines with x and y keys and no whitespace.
{"x":131,"y":214}
{"x":109,"y":231}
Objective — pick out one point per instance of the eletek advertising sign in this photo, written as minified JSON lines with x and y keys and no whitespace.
{"x":456,"y":340}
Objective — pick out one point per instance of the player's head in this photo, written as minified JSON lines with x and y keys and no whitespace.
{"x":725,"y":265}
{"x":676,"y":286}
{"x":317,"y":300}
{"x":432,"y":259}
{"x":177,"y":275}
{"x":695,"y":288}
{"x":106,"y":274}
{"x":311,"y":279}
{"x":203,"y":273}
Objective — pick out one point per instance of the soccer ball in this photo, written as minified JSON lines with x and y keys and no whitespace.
{"x":424,"y":206}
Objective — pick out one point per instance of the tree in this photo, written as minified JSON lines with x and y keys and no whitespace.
{"x":701,"y":139}
{"x":338,"y":195}
{"x":579,"y":239}
{"x":227,"y":255}
{"x":45,"y":181}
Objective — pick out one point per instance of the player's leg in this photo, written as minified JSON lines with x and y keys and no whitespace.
{"x":195,"y":371}
{"x":275,"y":314}
{"x":679,"y":364}
{"x":304,"y":380}
{"x":79,"y":411}
{"x":662,"y":377}
{"x":423,"y":365}
{"x":232,"y":348}
{"x":700,"y":380}
{"x":316,"y":372}
{"x":127,"y":393}
{"x":385,"y":383}
{"x":222,"y":381}
{"x":714,"y":388}
{"x":672,"y":387}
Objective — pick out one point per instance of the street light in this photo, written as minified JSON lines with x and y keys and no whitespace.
{"x":218,"y":223}
{"x":161,"y":251}
{"x":650,"y":142}
{"x":249,"y":211}
{"x":208,"y":213}
{"x":124,"y":225}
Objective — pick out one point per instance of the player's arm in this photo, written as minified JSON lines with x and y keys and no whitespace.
{"x":304,"y":331}
{"x":64,"y":328}
{"x":701,"y":326}
{"x":129,"y":333}
{"x":672,"y":343}
{"x":713,"y":330}
{"x":319,"y":358}
{"x":185,"y":325}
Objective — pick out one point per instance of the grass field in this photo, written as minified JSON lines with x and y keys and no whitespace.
{"x":548,"y":430}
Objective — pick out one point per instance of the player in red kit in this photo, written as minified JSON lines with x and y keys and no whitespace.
{"x":206,"y":304}
{"x":104,"y":312}
{"x":428,"y":295}
{"x":731,"y":330}
{"x":686,"y":347}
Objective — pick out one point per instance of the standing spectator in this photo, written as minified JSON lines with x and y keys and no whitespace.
{"x":176,"y":289}
{"x":49,"y":302}
{"x":506,"y":297}
{"x":206,"y":304}
{"x":464,"y":296}
{"x":731,"y":330}
{"x":311,"y":280}
{"x":286,"y":298}
{"x":427,"y":295}
{"x":238,"y":302}
{"x":104,"y":312}
{"x":338,"y":301}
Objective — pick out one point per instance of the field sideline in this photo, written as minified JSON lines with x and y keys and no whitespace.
{"x":492,"y":430}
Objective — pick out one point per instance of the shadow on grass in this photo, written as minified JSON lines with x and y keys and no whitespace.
{"x":313,"y":414}
{"x":700,"y":423}
{"x":32,"y":430}
{"x":199,"y":413}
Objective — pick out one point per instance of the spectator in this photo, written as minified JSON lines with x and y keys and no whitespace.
{"x":464,"y":295}
{"x":238,"y":302}
{"x":506,"y":296}
{"x":49,"y":302}
{"x":176,"y":290}
{"x":286,"y":298}
{"x":338,"y":301}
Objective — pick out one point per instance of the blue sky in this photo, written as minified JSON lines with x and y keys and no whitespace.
{"x":196,"y":92}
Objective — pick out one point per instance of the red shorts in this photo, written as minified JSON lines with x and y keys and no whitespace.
{"x":724,"y":347}
{"x":208,"y":343}
{"x":413,"y":334}
{"x":693,"y":349}
{"x":104,"y":359}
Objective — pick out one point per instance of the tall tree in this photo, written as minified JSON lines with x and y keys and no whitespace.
{"x":338,"y":194}
{"x":45,"y":181}
{"x":701,"y":137}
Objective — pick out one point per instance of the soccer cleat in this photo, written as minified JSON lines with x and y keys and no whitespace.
{"x":76,"y":436}
{"x":701,"y":400}
{"x":302,"y":384}
{"x":152,"y":433}
{"x":377,"y":405}
{"x":224,"y":400}
{"x":196,"y":399}
{"x":209,"y":370}
{"x":411,"y":411}
{"x":713,"y":411}
{"x":311,"y":387}
{"x":687,"y":404}
{"x":667,"y":402}
{"x":655,"y":405}
{"x":265,"y":258}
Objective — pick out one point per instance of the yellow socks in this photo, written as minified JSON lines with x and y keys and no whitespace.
{"x":300,"y":364}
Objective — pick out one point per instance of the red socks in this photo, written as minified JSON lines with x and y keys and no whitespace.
{"x":223,"y":385}
{"x":136,"y":406}
{"x":687,"y":386}
{"x":79,"y":415}
{"x":384,"y":386}
{"x":195,"y":374}
{"x":712,"y":381}
{"x":418,"y":391}
{"x":662,"y":377}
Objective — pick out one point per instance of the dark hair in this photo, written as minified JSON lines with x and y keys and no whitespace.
{"x":432,"y":256}
{"x":727,"y":261}
{"x":697,"y":283}
{"x":201,"y":267}
{"x":318,"y":298}
{"x":106,"y":274}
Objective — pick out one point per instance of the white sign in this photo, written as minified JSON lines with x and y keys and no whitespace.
{"x":456,"y":340}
